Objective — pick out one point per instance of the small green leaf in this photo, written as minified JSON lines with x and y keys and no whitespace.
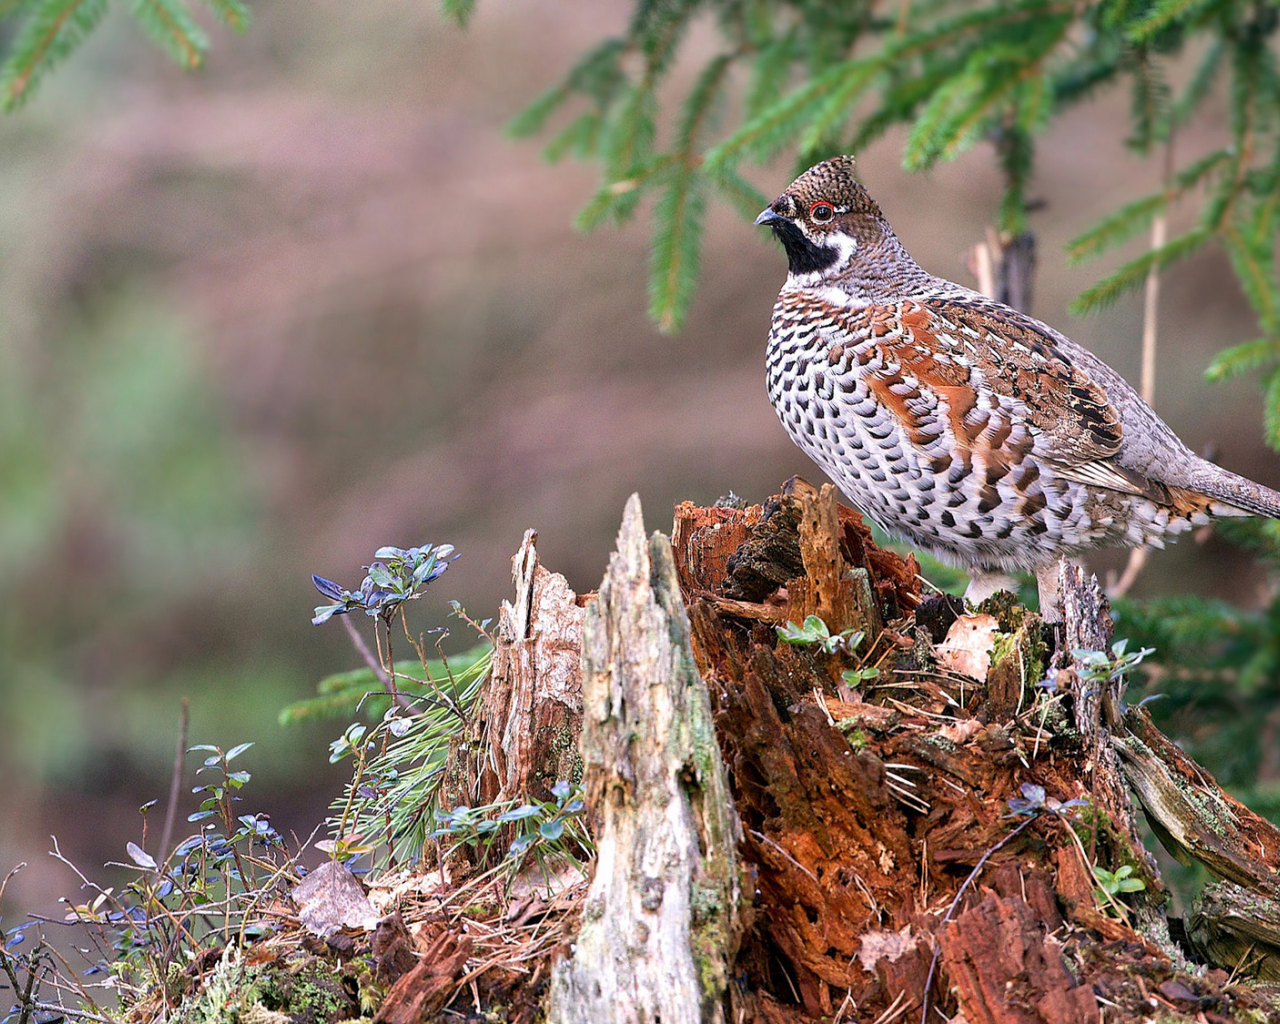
{"x":551,"y":830}
{"x":140,"y":857}
{"x":520,"y":813}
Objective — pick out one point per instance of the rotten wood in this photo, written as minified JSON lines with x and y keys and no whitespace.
{"x":704,"y":539}
{"x":870,"y":820}
{"x":1087,"y":627}
{"x":524,"y":735}
{"x":392,"y":949}
{"x":428,"y":987}
{"x":1030,"y":984}
{"x":660,"y":928}
{"x":1193,"y":817}
{"x":793,"y":540}
{"x":836,"y":592}
{"x":1238,"y":926}
{"x":863,"y":825}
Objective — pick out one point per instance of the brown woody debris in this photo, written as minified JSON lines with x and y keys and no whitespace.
{"x":876,"y":846}
{"x":427,"y":988}
{"x":1007,"y":971}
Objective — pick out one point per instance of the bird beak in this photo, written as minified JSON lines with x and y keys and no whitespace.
{"x":769,"y":217}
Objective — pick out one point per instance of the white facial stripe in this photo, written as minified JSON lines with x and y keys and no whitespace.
{"x":845,"y":244}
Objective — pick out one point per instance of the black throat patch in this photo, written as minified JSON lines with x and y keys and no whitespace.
{"x":803,"y":255}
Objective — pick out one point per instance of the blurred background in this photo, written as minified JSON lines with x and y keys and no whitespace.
{"x":259,"y":320}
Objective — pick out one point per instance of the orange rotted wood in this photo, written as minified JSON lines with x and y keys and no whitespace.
{"x":1007,"y":970}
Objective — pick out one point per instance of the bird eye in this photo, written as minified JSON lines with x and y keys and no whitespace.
{"x":822,"y":213}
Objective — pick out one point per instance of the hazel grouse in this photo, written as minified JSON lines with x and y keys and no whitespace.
{"x":970,"y":429}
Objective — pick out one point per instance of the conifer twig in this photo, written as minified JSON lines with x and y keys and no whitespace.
{"x":362,"y":649}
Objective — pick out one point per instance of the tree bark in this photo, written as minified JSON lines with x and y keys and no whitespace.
{"x":660,"y":924}
{"x":524,"y":736}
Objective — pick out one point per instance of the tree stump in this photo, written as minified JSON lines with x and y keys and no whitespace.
{"x":524,"y":737}
{"x":781,"y":841}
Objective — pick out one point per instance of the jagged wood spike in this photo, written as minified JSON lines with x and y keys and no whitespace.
{"x":660,"y":924}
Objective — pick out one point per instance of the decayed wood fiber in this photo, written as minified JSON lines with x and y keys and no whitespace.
{"x":868,"y":814}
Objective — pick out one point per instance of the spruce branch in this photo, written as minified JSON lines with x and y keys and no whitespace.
{"x":459,"y":10}
{"x":1271,"y":407}
{"x":1247,"y":357}
{"x":1164,"y":13}
{"x":1135,"y":272}
{"x":171,"y":26}
{"x":677,"y":248}
{"x":819,"y":81}
{"x":1255,"y":269}
{"x":233,"y":13}
{"x":52,"y":31}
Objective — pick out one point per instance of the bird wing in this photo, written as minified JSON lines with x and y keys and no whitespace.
{"x":1076,"y":424}
{"x":1006,"y":388}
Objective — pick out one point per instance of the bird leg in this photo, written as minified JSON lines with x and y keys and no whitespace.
{"x":1048,"y":578}
{"x":983,"y":584}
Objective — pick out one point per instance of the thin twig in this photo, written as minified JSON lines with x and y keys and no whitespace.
{"x":75,"y":1014}
{"x":12,"y":871}
{"x":175,"y":783}
{"x":1088,"y":866}
{"x":363,"y":649}
{"x":391,"y":666}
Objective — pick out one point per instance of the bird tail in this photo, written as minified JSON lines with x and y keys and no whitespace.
{"x":1239,"y":495}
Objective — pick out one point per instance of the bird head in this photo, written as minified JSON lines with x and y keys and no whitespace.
{"x":826,"y":221}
